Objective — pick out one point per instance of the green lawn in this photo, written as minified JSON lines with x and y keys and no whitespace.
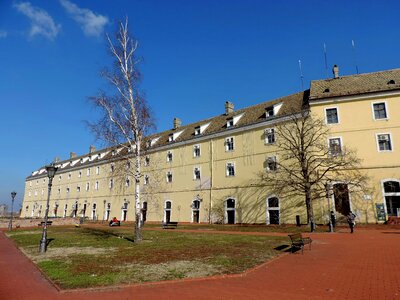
{"x":100,"y":256}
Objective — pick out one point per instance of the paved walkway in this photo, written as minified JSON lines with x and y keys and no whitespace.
{"x":363,"y":265}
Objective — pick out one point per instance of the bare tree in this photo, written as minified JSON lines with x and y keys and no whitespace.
{"x":125,"y":116}
{"x":307,"y":163}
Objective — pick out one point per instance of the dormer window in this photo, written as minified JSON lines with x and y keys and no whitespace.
{"x":197,"y":130}
{"x":174,"y":136}
{"x":391,"y":82}
{"x":90,"y":158}
{"x":81,"y":161}
{"x":233,"y":121}
{"x":113,"y":153}
{"x":273,"y":110}
{"x":98,"y":156}
{"x":229,"y":123}
{"x":269,"y":111}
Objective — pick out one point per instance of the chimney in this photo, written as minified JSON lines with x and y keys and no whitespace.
{"x":72,"y":155}
{"x":335,"y":71}
{"x":177,"y":123}
{"x":228,"y":107}
{"x":57,"y":159}
{"x":92,"y":149}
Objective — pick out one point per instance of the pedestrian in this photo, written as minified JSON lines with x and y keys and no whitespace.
{"x":351,"y":219}
{"x":333,"y":219}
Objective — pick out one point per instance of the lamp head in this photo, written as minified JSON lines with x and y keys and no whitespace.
{"x":13,"y":194}
{"x":51,"y":170}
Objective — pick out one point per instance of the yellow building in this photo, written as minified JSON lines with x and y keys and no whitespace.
{"x":209,"y":171}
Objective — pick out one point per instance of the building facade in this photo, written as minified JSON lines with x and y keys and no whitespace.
{"x":210,"y":171}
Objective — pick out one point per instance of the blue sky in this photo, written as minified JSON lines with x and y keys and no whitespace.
{"x":197,"y":55}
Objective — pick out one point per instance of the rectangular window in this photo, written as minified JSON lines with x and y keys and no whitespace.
{"x":112,"y":168}
{"x":59,"y":178}
{"x":97,"y":170}
{"x":384,"y":142}
{"x":332,"y":115}
{"x":67,"y":190}
{"x":269,"y":112}
{"x":335,"y":146}
{"x":196,"y":151}
{"x":171,"y":138}
{"x":111,"y":183}
{"x":69,"y":176}
{"x":196,"y":173}
{"x":146,"y":180}
{"x":96,"y":186}
{"x":78,"y":188}
{"x":147,"y":161}
{"x":271,"y":163}
{"x":80,"y":174}
{"x":87,"y":186}
{"x":88,"y":172}
{"x":230,"y":169}
{"x":127,"y":182}
{"x":380,"y":111}
{"x":197,"y":130}
{"x":169,"y":176}
{"x":169,"y":156}
{"x":229,"y":122}
{"x":269,"y":135}
{"x":229,"y":144}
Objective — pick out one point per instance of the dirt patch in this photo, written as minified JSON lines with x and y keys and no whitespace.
{"x":51,"y":253}
{"x":169,"y":270}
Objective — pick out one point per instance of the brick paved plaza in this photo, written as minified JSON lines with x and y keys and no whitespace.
{"x":363,"y":265}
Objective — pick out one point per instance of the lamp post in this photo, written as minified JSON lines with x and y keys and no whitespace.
{"x":13,"y":194}
{"x":51,"y":171}
{"x":104,"y":210}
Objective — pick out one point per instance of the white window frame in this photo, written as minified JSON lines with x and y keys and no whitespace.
{"x":341,"y":145}
{"x":267,"y":131}
{"x":111,"y":183}
{"x":96,"y":186}
{"x":229,"y":140}
{"x":78,"y":189}
{"x":170,"y":156}
{"x":386,"y":110}
{"x":88,"y":172}
{"x":68,"y":190}
{"x":275,"y":159}
{"x":227,"y":170}
{"x":390,"y":139}
{"x":97,"y":170}
{"x":147,"y":161}
{"x":195,"y":147}
{"x":167,"y":177}
{"x":326,"y":115}
{"x":197,"y":168}
{"x":80,"y":174}
{"x":146,"y":179}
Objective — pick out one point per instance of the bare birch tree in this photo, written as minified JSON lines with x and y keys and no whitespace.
{"x":125,"y":115}
{"x":307,"y":163}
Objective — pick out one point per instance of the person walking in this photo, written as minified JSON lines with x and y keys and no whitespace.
{"x":351,"y":219}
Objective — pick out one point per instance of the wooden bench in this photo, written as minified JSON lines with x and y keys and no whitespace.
{"x":169,"y":225}
{"x":298,"y":241}
{"x":48,"y":223}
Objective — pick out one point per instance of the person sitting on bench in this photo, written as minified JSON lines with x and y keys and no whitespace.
{"x":114,"y":222}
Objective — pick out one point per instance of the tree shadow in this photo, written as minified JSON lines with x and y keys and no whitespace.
{"x":106,"y":234}
{"x":48,"y":241}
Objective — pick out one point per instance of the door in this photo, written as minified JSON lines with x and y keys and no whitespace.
{"x":342,"y":198}
{"x":230,"y":211}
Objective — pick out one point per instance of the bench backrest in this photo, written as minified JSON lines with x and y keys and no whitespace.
{"x":296,"y":237}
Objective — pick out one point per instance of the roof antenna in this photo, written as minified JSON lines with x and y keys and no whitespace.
{"x":326,"y":61}
{"x":301,"y":75}
{"x":354,"y":55}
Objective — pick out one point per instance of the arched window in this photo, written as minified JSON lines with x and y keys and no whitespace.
{"x":392,"y":197}
{"x":273,"y":211}
{"x":230,"y":211}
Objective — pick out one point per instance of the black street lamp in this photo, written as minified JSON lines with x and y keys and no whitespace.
{"x":51,"y":171}
{"x":13,"y":194}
